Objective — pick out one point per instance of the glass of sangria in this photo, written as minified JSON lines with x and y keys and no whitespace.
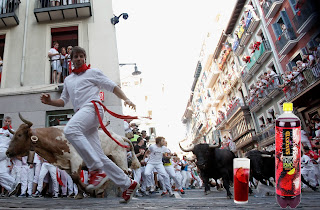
{"x":241,"y":169}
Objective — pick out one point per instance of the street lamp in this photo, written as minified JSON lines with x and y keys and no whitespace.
{"x":136,"y":72}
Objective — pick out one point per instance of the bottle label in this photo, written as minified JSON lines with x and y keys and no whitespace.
{"x":287,"y":161}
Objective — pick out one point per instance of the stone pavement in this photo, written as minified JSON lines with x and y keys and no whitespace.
{"x":193,"y":199}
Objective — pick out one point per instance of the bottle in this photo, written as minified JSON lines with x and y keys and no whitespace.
{"x":288,"y":158}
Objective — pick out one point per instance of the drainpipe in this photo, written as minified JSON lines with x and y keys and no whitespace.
{"x":267,"y":33}
{"x":24,"y":45}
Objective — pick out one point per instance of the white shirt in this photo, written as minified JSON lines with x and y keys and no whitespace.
{"x":5,"y":139}
{"x":54,"y":51}
{"x":156,"y":154}
{"x":82,"y":88}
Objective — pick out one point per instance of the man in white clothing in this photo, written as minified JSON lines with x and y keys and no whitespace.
{"x":82,"y":87}
{"x":6,"y":180}
{"x":157,"y":152}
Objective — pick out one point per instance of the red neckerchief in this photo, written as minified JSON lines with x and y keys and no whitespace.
{"x":6,"y":127}
{"x":64,"y":54}
{"x":83,"y":68}
{"x":56,"y":49}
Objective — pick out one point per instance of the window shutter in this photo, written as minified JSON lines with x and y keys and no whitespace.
{"x":285,"y":19}
{"x":276,"y":29}
{"x":304,"y":51}
{"x":293,"y":6}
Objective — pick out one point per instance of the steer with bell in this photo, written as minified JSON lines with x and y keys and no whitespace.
{"x":213,"y":163}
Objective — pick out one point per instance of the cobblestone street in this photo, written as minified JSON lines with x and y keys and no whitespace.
{"x":193,"y":199}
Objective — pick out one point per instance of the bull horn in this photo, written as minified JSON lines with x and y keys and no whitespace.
{"x":214,"y":145}
{"x":186,"y":150}
{"x":25,"y":121}
{"x":11,"y":131}
{"x":264,"y":155}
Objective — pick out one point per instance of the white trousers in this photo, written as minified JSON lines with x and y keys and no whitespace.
{"x":161,"y":172}
{"x":27,"y":174}
{"x":37,"y":168}
{"x":82,"y":132}
{"x":16,"y":173}
{"x":185,"y":179}
{"x":170,"y":170}
{"x":67,"y":182}
{"x":6,"y":180}
{"x":45,"y":168}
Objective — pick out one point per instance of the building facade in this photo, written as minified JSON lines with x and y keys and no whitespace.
{"x":239,"y":91}
{"x":27,"y":32}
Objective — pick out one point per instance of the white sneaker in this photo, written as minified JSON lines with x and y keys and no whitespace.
{"x":13,"y":190}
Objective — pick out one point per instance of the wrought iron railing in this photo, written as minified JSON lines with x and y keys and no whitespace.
{"x":48,"y":3}
{"x":307,"y":9}
{"x":284,"y":38}
{"x":302,"y":81}
{"x":9,"y":6}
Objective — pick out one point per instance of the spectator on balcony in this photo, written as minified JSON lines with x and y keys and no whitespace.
{"x":3,"y":6}
{"x":44,"y":3}
{"x":55,"y":3}
{"x":66,"y":2}
{"x":70,"y":65}
{"x":54,"y":56}
{"x":284,"y":31}
{"x":64,"y":62}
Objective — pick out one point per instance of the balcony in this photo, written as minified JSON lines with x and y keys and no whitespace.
{"x":245,"y":38}
{"x":266,"y":137}
{"x":236,"y":107}
{"x":221,"y":123}
{"x":254,"y":104}
{"x":212,"y":78}
{"x":8,"y":15}
{"x":286,"y":41}
{"x":252,"y":22}
{"x":45,"y":12}
{"x":306,"y":17}
{"x":303,"y":82}
{"x":271,"y":7}
{"x":246,"y":139}
{"x":245,"y":76}
{"x":235,"y":45}
{"x":259,"y":56}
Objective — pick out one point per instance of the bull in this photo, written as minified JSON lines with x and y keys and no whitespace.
{"x":262,"y":167}
{"x":51,"y":144}
{"x":213,"y":163}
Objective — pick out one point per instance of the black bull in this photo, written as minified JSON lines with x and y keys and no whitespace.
{"x":213,"y":163}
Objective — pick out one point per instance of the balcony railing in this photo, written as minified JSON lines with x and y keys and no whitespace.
{"x":252,"y":21}
{"x":8,"y":13}
{"x":286,"y":41}
{"x":306,"y":17}
{"x":64,"y":9}
{"x":61,"y":67}
{"x":259,"y":55}
{"x":235,"y":106}
{"x":266,"y":133}
{"x":271,"y":7}
{"x":302,"y":82}
{"x":263,"y":95}
{"x":235,"y":45}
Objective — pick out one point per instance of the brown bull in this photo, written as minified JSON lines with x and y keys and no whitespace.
{"x":51,"y":144}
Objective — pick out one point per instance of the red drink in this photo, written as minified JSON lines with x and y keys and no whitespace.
{"x":241,"y":168}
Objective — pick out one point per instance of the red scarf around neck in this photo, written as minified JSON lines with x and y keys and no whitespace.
{"x":6,"y":127}
{"x":83,"y":68}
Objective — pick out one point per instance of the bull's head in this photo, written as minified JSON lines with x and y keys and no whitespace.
{"x":20,"y":143}
{"x":201,"y":151}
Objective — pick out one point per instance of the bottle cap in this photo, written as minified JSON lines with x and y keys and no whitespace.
{"x":287,"y":106}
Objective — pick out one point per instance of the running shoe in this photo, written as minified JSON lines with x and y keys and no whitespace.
{"x":182,"y":191}
{"x":96,"y":180}
{"x":129,"y":193}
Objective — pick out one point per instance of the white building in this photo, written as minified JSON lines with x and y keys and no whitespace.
{"x":27,"y":31}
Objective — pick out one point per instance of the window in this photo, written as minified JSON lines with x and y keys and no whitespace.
{"x":58,"y":117}
{"x":283,"y":25}
{"x":65,"y":36}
